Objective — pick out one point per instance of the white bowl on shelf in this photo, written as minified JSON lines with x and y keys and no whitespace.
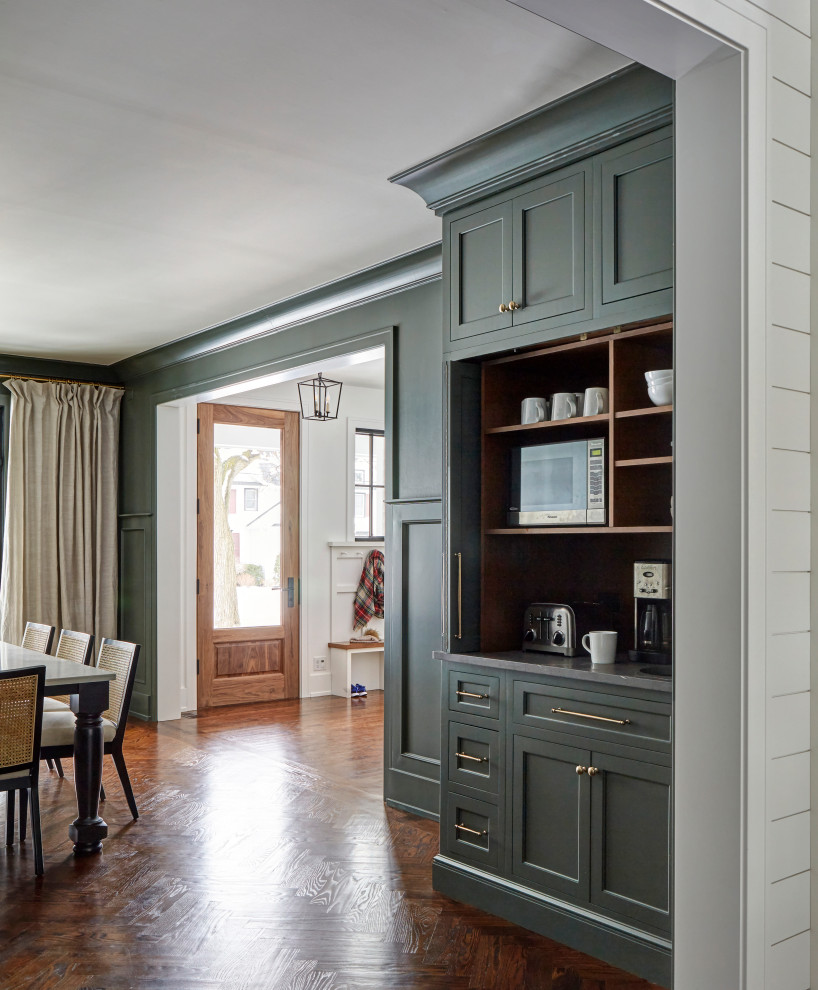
{"x":661,"y":392}
{"x":655,"y":376}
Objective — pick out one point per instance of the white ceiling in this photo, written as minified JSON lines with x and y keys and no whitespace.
{"x":361,"y":369}
{"x":166,"y":166}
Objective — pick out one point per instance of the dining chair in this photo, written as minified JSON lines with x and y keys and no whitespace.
{"x":21,"y":722}
{"x":77,"y":646}
{"x":58,"y":727}
{"x":38,"y":636}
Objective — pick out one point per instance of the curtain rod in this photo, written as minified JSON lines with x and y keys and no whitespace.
{"x":59,"y":381}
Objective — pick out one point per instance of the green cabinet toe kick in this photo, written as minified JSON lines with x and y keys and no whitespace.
{"x":629,"y":948}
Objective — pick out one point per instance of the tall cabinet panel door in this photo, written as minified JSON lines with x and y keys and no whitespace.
{"x":549,"y":818}
{"x":412,"y":676}
{"x":636,"y":221}
{"x":461,"y":564}
{"x":551,"y":238}
{"x":630,"y":845}
{"x":480,"y":272}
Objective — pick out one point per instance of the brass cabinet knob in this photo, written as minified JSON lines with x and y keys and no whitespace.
{"x":514,"y":305}
{"x":504,"y":308}
{"x":593,"y":771}
{"x":581,"y":771}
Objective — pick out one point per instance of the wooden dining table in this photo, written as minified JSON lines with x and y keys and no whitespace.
{"x":88,"y":688}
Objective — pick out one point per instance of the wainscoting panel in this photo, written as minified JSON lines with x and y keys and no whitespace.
{"x":136,"y":542}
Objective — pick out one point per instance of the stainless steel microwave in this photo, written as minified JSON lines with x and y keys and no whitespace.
{"x":558,"y":484}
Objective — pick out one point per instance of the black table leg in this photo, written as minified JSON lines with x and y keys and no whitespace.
{"x":88,"y":830}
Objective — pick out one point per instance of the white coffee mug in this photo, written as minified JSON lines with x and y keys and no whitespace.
{"x":596,"y":401}
{"x":563,"y":405}
{"x":533,"y":411}
{"x":601,"y":645}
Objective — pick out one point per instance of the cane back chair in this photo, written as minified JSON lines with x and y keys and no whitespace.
{"x":21,"y":720}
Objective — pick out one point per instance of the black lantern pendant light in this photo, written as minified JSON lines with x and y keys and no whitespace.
{"x":319,"y":397}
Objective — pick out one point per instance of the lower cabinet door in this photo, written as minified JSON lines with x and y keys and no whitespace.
{"x":549,"y":822}
{"x":470,"y":830}
{"x":630,"y":839}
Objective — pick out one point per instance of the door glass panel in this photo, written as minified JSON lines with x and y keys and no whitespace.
{"x":246,"y":526}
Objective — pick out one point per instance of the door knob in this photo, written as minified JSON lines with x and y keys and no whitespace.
{"x":514,"y":305}
{"x":582,"y":770}
{"x":593,"y":771}
{"x":504,"y":308}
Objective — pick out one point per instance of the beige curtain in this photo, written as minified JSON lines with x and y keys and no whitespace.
{"x":60,"y":541}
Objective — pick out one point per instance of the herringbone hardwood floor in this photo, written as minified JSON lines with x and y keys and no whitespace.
{"x":264,"y":859}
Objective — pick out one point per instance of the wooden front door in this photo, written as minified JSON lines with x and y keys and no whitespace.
{"x":247,"y":602}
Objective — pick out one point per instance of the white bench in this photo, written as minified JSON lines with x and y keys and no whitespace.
{"x":355,"y":663}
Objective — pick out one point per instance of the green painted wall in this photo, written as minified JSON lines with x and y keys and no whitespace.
{"x":415,"y":316}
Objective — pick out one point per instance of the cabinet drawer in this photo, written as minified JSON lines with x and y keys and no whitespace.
{"x":475,"y":757}
{"x":471,"y":830}
{"x":477,"y":694}
{"x":622,"y":720}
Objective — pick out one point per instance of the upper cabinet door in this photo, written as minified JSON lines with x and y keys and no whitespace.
{"x":551,"y":239}
{"x":635,"y":243}
{"x":480,"y":272}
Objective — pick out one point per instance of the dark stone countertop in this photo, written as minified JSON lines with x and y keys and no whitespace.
{"x":623,"y":673}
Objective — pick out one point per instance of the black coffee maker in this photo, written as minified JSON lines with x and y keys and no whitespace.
{"x":653,"y":613}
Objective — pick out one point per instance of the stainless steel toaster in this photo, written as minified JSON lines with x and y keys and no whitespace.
{"x":550,"y":628}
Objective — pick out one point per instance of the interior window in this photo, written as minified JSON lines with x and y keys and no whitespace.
{"x":370,"y":479}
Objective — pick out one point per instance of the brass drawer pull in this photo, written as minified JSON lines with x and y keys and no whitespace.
{"x":471,"y":694}
{"x":477,"y":759}
{"x":598,"y":718}
{"x":471,"y":831}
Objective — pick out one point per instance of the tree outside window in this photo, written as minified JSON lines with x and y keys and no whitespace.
{"x":370,"y":481}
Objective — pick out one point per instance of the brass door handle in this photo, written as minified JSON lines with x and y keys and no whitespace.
{"x":471,"y":694}
{"x":581,"y":771}
{"x":503,"y":308}
{"x":459,"y":595}
{"x":597,"y":718}
{"x":514,"y":305}
{"x":471,"y":831}
{"x":477,"y":759}
{"x":593,"y":771}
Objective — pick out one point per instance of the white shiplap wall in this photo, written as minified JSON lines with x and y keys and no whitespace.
{"x":788,"y":499}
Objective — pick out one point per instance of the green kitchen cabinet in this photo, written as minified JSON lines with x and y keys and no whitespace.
{"x":633,"y":239}
{"x":556,"y":803}
{"x":462,"y":544}
{"x":581,"y":249}
{"x":523,"y":261}
{"x":593,"y":826}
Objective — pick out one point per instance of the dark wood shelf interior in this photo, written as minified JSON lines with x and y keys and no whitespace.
{"x":567,"y":563}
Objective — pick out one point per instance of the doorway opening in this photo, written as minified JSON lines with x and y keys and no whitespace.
{"x":329,"y":545}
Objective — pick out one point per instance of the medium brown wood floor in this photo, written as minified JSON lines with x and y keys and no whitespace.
{"x":264,"y":857}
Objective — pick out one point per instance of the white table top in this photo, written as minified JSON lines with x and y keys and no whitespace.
{"x":57,"y":672}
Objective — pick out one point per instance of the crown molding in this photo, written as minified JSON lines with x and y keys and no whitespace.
{"x":620,"y":106}
{"x":407,"y":271}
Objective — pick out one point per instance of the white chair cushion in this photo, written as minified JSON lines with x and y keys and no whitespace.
{"x":58,"y":729}
{"x":52,"y":705}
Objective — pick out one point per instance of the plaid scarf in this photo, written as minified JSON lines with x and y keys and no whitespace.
{"x":369,"y":596}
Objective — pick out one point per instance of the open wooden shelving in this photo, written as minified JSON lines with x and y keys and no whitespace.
{"x":556,"y":424}
{"x":642,"y":461}
{"x":574,"y":563}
